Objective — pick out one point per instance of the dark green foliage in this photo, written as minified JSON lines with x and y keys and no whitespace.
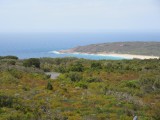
{"x":9,"y":57}
{"x":11,"y":62}
{"x":105,"y":89}
{"x":94,"y":79}
{"x":96,"y":65}
{"x":157,"y":83}
{"x":108,"y":66}
{"x":32,"y":62}
{"x":61,"y":69}
{"x":74,"y":76}
{"x":77,"y":67}
{"x":49,"y":86}
{"x":6,"y":101}
{"x":82,"y":85}
{"x":48,"y":76}
{"x":150,"y":83}
{"x":132,"y":84}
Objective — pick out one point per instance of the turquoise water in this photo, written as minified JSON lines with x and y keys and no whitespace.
{"x":41,"y":44}
{"x":86,"y":56}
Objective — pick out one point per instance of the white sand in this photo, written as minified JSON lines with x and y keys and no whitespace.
{"x":129,"y":56}
{"x":126,"y":56}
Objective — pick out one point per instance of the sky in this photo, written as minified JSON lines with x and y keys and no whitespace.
{"x":79,"y":15}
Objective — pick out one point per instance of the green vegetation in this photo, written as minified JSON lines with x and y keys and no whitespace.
{"x":136,"y":48}
{"x":85,"y":89}
{"x":9,"y":57}
{"x":32,"y":62}
{"x":49,"y":86}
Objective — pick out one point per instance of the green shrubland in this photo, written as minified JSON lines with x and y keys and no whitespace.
{"x":85,"y":89}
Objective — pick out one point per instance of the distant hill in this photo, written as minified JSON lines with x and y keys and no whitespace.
{"x":135,"y":48}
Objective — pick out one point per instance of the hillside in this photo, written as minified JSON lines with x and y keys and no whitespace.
{"x":84,"y":90}
{"x":135,"y":48}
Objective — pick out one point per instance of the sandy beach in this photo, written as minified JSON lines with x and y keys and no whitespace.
{"x":129,"y":56}
{"x":125,"y":56}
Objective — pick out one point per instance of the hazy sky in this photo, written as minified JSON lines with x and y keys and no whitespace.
{"x":79,"y":15}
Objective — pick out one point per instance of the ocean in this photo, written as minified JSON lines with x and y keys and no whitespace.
{"x":37,"y":45}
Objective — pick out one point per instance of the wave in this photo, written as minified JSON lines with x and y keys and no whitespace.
{"x":83,"y":55}
{"x":76,"y":53}
{"x":55,"y":52}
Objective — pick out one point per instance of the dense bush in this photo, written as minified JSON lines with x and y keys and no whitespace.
{"x":11,"y":62}
{"x":15,"y":73}
{"x":157,"y":83}
{"x":94,"y":79}
{"x":77,"y":67}
{"x":96,"y":65}
{"x":32,"y":62}
{"x":7,"y":77}
{"x":156,"y":113}
{"x":132,"y":84}
{"x":6,"y":101}
{"x":82,"y":85}
{"x":150,"y":83}
{"x":74,"y":76}
{"x":9,"y":57}
{"x":85,"y":89}
{"x":49,"y":86}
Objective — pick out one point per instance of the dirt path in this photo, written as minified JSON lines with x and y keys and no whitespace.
{"x":54,"y":75}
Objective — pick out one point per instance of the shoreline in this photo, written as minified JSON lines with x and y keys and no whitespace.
{"x":125,"y":56}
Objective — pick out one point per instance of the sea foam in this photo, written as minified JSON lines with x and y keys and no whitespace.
{"x":55,"y":52}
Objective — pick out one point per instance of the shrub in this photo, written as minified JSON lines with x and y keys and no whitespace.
{"x":61,"y":69}
{"x":15,"y":73}
{"x":74,"y":76}
{"x":96,"y":65}
{"x":156,"y":112}
{"x":94,"y":79}
{"x":132,"y":84}
{"x":32,"y":62}
{"x":9,"y":57}
{"x":11,"y":62}
{"x":146,"y":80}
{"x":6,"y":101}
{"x":7,"y":77}
{"x":150,"y":83}
{"x":157,"y":83}
{"x":78,"y":67}
{"x":108,"y":66}
{"x":82,"y":85}
{"x":49,"y":86}
{"x":48,"y":76}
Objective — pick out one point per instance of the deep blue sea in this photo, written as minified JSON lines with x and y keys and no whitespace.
{"x":36,"y":45}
